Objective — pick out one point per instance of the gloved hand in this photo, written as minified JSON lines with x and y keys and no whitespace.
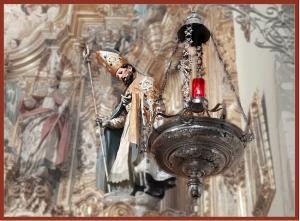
{"x":102,"y":122}
{"x":126,"y":99}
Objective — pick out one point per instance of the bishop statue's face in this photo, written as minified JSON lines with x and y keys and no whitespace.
{"x":125,"y":75}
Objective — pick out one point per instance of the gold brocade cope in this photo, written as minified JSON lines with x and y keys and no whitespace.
{"x":137,"y":106}
{"x":134,"y":89}
{"x":136,"y":126}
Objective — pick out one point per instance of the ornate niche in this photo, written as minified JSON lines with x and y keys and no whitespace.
{"x":259,"y":166}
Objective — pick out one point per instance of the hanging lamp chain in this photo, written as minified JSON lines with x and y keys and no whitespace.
{"x":185,"y":65}
{"x":200,"y":66}
{"x":164,"y":83}
{"x":233,"y":89}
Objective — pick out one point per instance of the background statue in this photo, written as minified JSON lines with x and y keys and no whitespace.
{"x":133,"y":120}
{"x":45,"y":132}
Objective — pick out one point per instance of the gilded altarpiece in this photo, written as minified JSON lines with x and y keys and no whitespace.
{"x":146,"y":35}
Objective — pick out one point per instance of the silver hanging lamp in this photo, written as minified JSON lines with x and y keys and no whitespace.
{"x":193,"y":144}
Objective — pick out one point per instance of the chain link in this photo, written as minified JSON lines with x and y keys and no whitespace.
{"x":185,"y":65}
{"x":200,"y":66}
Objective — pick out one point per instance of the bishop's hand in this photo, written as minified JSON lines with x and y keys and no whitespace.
{"x":126,"y":99}
{"x":102,"y":122}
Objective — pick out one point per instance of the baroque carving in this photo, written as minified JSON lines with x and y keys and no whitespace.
{"x":92,"y":203}
{"x":275,"y":25}
{"x":115,"y":10}
{"x":119,"y":209}
{"x":31,"y":195}
{"x":25,"y":20}
{"x":260,"y":165}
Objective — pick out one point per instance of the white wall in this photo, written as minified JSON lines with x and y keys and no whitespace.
{"x":256,"y":71}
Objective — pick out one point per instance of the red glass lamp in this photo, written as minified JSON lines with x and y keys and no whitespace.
{"x":198,"y":87}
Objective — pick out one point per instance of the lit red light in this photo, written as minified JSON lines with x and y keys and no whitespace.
{"x":198,"y":87}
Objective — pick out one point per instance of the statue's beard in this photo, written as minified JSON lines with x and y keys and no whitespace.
{"x":129,"y":79}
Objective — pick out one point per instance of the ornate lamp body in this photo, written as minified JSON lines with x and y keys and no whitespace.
{"x":196,"y":147}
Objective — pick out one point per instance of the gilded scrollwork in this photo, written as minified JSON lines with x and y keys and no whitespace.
{"x":89,"y":203}
{"x":274,"y":23}
{"x":119,"y":209}
{"x":30,"y":195}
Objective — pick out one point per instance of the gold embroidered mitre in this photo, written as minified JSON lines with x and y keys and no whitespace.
{"x":111,"y":60}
